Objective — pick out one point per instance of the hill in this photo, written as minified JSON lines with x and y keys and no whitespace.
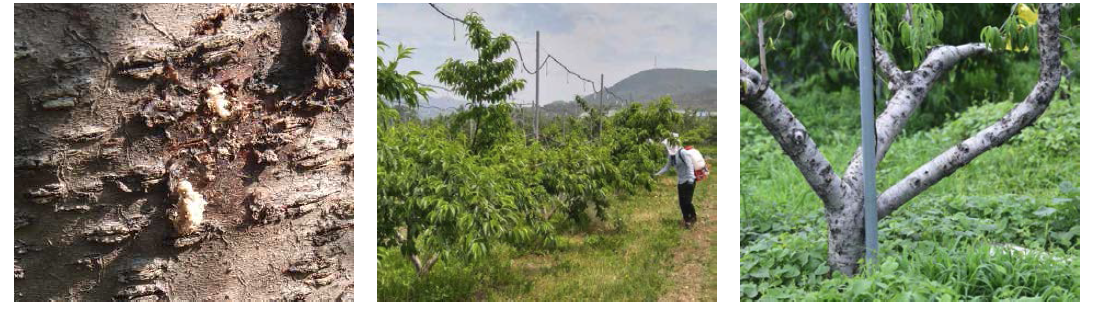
{"x":690,"y":89}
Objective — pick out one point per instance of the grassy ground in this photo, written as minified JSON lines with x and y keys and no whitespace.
{"x":949,"y":243}
{"x":640,"y":254}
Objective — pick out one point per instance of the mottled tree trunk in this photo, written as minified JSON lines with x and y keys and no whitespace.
{"x":181,"y":152}
{"x":843,"y":198}
{"x":846,"y":245}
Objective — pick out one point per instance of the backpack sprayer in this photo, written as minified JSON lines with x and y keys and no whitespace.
{"x":702,"y":169}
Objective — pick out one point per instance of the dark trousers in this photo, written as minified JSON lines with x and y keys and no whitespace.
{"x":686,"y":190}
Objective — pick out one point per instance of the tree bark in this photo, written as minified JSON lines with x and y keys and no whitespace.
{"x":423,"y":268}
{"x":791,"y":135}
{"x":119,"y":106}
{"x":843,"y":198}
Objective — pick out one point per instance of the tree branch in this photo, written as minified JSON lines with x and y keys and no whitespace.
{"x":422,"y":268}
{"x":792,"y":137}
{"x":1021,"y":116}
{"x":908,"y":18}
{"x":887,"y":65}
{"x":763,"y":50}
{"x":908,"y":98}
{"x":942,"y":58}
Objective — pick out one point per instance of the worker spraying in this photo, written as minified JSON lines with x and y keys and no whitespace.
{"x":690,"y":167}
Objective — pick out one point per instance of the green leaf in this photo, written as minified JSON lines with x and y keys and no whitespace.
{"x":790,"y":271}
{"x":889,"y":267}
{"x":904,"y":32}
{"x":1045,"y":211}
{"x":748,"y":290}
{"x":760,"y":273}
{"x":859,"y":286}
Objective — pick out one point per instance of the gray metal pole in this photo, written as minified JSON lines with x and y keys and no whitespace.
{"x":538,"y":70}
{"x":867,"y":121}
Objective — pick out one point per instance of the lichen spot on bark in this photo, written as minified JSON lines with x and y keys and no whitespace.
{"x":187,"y":215}
{"x":217,"y":102}
{"x":963,"y":147}
{"x":798,"y":136}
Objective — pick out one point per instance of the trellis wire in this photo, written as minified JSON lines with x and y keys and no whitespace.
{"x":523,"y":62}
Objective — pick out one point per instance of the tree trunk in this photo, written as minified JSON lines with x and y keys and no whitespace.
{"x":846,"y":245}
{"x":181,"y":152}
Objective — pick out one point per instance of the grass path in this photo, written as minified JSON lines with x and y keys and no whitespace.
{"x":695,"y":259}
{"x":649,"y":257}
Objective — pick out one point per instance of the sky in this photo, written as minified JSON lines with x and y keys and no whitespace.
{"x":616,"y":40}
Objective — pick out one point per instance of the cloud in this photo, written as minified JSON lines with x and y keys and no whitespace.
{"x":616,"y":40}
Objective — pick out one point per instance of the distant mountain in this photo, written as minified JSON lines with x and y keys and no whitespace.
{"x":436,"y":106}
{"x":690,"y":89}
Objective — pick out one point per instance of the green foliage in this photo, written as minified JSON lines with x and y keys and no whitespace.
{"x":845,"y":54}
{"x":918,"y":34}
{"x":915,"y":36}
{"x":486,"y":83}
{"x":652,"y":122}
{"x":621,"y":157}
{"x":484,"y":80}
{"x":396,"y":87}
{"x":699,"y":130}
{"x":449,"y":281}
{"x":594,"y":118}
{"x":492,"y":126}
{"x":435,"y":197}
{"x":1020,"y":28}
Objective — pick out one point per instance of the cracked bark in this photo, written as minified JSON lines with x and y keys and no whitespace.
{"x":95,"y":176}
{"x":843,"y":198}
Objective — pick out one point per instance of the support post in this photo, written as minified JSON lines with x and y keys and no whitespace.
{"x":538,"y":70}
{"x":599,"y":127}
{"x":867,"y":122}
{"x":601,"y":91}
